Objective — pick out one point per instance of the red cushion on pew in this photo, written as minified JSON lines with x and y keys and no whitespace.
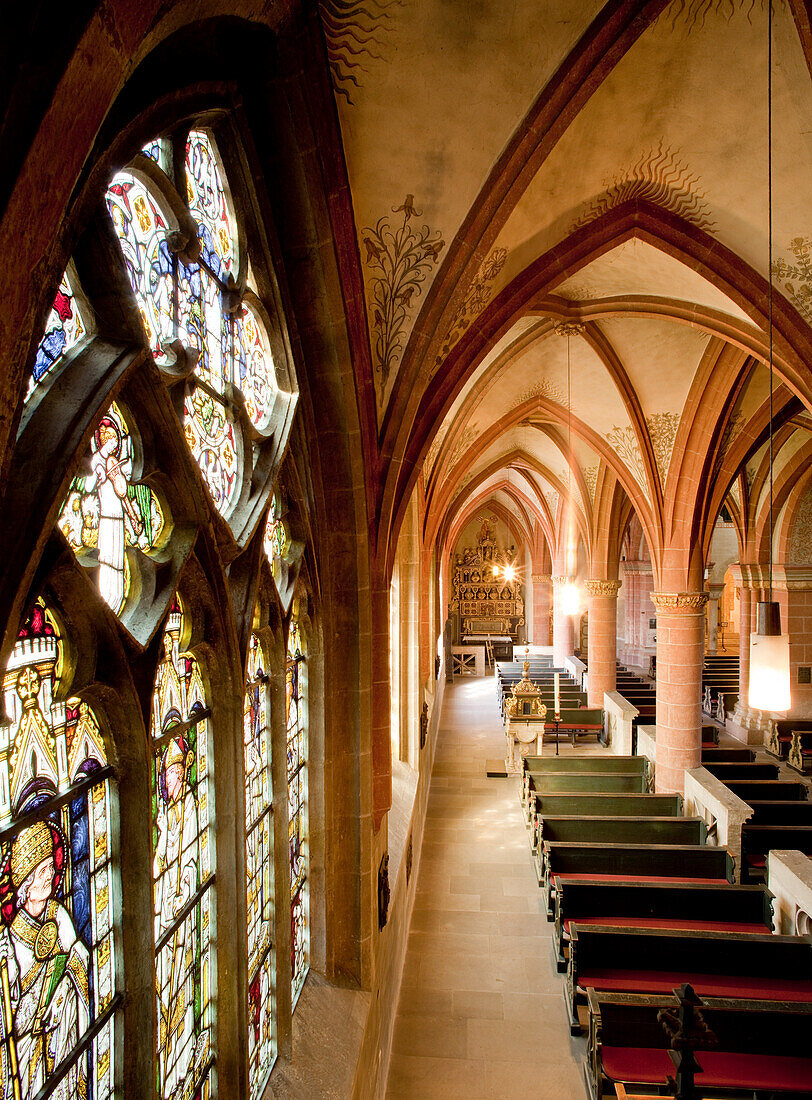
{"x":755,"y":860}
{"x":706,"y":985}
{"x":640,"y":878}
{"x":641,"y":1065}
{"x":668,"y":922}
{"x":785,"y":737}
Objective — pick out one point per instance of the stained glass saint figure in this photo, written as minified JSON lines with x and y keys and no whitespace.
{"x":182,"y":872}
{"x":57,"y":966}
{"x":297,"y":807}
{"x":258,"y":871}
{"x":105,"y":512}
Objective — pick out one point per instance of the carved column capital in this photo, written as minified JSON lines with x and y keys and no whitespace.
{"x":540,"y":578}
{"x":608,"y":589}
{"x":561,"y":581}
{"x":715,"y":591}
{"x":680,"y":603}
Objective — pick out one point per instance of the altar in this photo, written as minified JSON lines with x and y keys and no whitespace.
{"x":486,"y":601}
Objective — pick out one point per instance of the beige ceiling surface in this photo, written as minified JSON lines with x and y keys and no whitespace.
{"x":638,"y":268}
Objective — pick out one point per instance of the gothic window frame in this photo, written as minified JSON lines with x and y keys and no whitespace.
{"x":299,"y":774}
{"x":81,"y":853}
{"x":261,"y":969}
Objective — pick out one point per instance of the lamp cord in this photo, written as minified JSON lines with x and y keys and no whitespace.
{"x":770,"y":251}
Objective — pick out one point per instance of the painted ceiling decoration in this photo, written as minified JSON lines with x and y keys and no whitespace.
{"x":574,"y":168}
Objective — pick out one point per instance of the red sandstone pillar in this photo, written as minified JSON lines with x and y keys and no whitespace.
{"x":562,"y":626}
{"x":745,"y":621}
{"x":542,"y":595}
{"x":680,"y":653}
{"x":602,"y":643}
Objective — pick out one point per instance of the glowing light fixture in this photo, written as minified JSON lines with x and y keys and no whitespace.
{"x":769,"y":687}
{"x":570,"y":598}
{"x":510,"y":573}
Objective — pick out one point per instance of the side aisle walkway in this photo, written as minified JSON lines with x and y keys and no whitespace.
{"x":481,"y":1011}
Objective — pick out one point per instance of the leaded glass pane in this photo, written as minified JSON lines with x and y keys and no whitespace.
{"x":63,"y":330}
{"x":182,"y":871}
{"x":57,"y":952}
{"x":297,"y":806}
{"x":253,"y":366}
{"x":154,"y":150}
{"x":105,"y":512}
{"x":142,"y":231}
{"x":259,"y":871}
{"x":209,"y":204}
{"x":211,"y":438}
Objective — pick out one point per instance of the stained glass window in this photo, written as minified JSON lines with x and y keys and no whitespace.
{"x":63,"y":330}
{"x":276,"y":537}
{"x":105,"y":512}
{"x":192,"y":301}
{"x":295,"y":685}
{"x":258,"y":871}
{"x":58,"y":983}
{"x":183,"y":872}
{"x":154,"y":150}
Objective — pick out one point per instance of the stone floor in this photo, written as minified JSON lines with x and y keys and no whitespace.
{"x":481,"y":1011}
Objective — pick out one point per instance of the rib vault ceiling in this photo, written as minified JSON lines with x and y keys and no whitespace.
{"x":561,"y":211}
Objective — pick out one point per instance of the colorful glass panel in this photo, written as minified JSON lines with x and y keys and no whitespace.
{"x":57,"y":897}
{"x":211,"y":438}
{"x":202,"y":324}
{"x":105,"y":512}
{"x":295,"y":670}
{"x":154,"y":150}
{"x":142,"y":231}
{"x":63,"y":330}
{"x":183,"y":874}
{"x":209,"y":204}
{"x":275,"y":540}
{"x":253,"y":366}
{"x":258,"y":871}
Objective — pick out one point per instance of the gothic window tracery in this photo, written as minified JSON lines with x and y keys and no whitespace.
{"x":64,"y":328}
{"x":259,"y":867}
{"x":188,"y":292}
{"x":58,"y":958}
{"x":183,"y":870}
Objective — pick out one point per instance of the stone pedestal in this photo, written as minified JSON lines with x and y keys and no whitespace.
{"x":680,"y":652}
{"x":602,"y":643}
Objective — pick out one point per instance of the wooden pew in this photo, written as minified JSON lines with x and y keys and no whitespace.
{"x":781,"y":813}
{"x":763,"y":1046}
{"x":745,"y":769}
{"x":759,"y":839}
{"x":717,"y":964}
{"x":715,"y":755}
{"x":670,"y":862}
{"x":768,"y":789}
{"x":693,"y":905}
{"x":574,"y":721}
{"x":616,"y":830}
{"x":603,"y":804}
{"x":583,"y":782}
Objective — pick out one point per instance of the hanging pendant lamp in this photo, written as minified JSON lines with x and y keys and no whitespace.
{"x":769,"y":687}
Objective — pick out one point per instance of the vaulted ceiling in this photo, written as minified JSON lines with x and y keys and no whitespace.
{"x":562,"y":219}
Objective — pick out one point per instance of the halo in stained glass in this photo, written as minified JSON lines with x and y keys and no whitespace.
{"x":253,"y":366}
{"x":63,"y":330}
{"x":210,"y":204}
{"x":57,"y":900}
{"x":105,"y":511}
{"x":142,"y":230}
{"x":259,"y":871}
{"x":183,"y":884}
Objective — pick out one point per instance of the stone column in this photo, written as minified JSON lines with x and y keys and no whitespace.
{"x":562,"y":625}
{"x":715,"y":592}
{"x":680,"y":652}
{"x":542,"y":595}
{"x":745,"y":627}
{"x":602,"y":643}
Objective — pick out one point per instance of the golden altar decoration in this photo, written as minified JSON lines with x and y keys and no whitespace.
{"x":486,"y":602}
